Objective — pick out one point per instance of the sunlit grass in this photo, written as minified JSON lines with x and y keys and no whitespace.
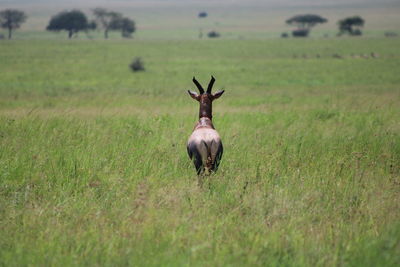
{"x":94,"y":171}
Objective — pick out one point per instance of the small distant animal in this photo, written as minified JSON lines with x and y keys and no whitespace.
{"x":204,"y":146}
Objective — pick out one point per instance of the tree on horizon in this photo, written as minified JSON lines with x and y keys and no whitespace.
{"x":72,"y":21}
{"x":107,"y":19}
{"x":11,"y":19}
{"x":351,"y":25}
{"x":114,"y":21}
{"x":305,"y":23}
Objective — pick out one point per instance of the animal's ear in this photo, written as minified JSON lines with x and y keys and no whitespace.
{"x":218,"y":94}
{"x":194,"y":95}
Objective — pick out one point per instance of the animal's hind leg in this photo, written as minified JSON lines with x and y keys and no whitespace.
{"x":198,"y":163}
{"x":196,"y":157}
{"x":218,"y":157}
{"x":208,"y":161}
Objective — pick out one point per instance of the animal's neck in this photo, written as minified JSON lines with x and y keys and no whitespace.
{"x":204,"y":122}
{"x":205,"y":109}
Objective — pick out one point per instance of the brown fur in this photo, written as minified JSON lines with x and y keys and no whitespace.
{"x":204,"y":145}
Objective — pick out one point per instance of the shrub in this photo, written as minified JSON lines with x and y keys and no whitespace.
{"x":390,"y":34}
{"x":203,"y":14}
{"x":137,"y":65}
{"x":300,"y":33}
{"x":213,"y":34}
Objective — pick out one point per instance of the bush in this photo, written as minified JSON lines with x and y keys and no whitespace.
{"x":137,"y":65}
{"x":284,"y":35}
{"x":300,"y":33}
{"x":213,"y":34}
{"x":203,"y":14}
{"x":390,"y":34}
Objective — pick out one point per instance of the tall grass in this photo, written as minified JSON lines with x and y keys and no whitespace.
{"x":94,"y":171}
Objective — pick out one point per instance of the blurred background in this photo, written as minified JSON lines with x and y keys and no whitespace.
{"x":172,"y":19}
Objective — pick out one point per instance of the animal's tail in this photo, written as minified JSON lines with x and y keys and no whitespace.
{"x":208,"y":164}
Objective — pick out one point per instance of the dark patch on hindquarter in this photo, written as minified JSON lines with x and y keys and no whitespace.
{"x":195,"y":156}
{"x":218,"y":157}
{"x":209,"y":162}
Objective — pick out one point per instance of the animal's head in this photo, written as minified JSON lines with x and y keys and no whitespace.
{"x":205,"y":97}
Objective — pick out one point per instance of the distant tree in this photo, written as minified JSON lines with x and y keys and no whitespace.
{"x":114,"y":21}
{"x":127,"y":27}
{"x":203,"y":14}
{"x":70,"y":21}
{"x":304,"y":23}
{"x":351,"y":25}
{"x":123,"y":24}
{"x":107,"y":19}
{"x":11,"y":19}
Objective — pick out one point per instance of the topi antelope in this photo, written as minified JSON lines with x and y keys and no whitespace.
{"x":204,"y":145}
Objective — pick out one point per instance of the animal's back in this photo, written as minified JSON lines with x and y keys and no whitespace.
{"x":206,"y":147}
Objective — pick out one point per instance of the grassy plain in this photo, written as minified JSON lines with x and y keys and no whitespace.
{"x":94,"y":171}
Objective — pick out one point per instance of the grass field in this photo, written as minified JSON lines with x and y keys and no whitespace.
{"x":94,"y":171}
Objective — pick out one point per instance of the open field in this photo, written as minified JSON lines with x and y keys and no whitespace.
{"x":94,"y":171}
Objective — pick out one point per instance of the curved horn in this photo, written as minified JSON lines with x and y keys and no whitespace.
{"x":210,"y":85}
{"x":201,"y":90}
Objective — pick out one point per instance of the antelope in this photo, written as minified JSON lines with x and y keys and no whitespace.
{"x":204,"y":145}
